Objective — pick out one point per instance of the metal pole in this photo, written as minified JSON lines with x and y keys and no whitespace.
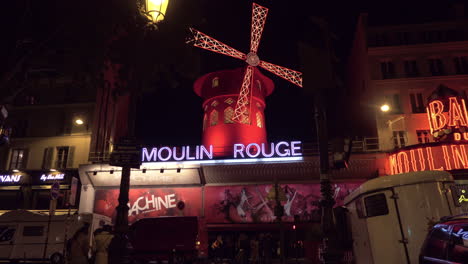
{"x":118,"y":248}
{"x":329,"y":251}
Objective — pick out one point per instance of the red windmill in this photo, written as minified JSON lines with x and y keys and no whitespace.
{"x":241,"y":129}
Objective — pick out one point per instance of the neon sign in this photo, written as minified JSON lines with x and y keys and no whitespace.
{"x":443,"y":122}
{"x":439,"y":157}
{"x":48,"y":177}
{"x":10,"y":178}
{"x":240,"y":151}
{"x":462,"y":197}
{"x":156,"y":202}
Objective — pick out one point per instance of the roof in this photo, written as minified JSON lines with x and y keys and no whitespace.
{"x":399,"y":180}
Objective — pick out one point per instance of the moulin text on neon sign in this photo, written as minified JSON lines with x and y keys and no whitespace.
{"x":442,"y":157}
{"x":448,"y":118}
{"x":240,"y":151}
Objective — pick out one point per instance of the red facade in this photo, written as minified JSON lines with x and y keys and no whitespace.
{"x":220,"y":91}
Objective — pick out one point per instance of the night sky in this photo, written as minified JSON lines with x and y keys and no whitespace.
{"x":172,"y":113}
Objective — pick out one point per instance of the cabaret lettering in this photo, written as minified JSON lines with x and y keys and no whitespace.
{"x":10,"y":178}
{"x":151,"y":203}
{"x":239,"y":151}
{"x":48,"y":177}
{"x":441,"y":118}
{"x":442,"y":157}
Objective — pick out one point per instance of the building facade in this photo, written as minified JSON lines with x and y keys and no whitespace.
{"x":50,"y":118}
{"x":395,"y":72}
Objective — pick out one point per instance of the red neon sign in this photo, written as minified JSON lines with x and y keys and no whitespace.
{"x":441,"y":157}
{"x":449,"y":119}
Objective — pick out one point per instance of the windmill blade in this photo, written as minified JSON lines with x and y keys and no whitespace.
{"x":204,"y":41}
{"x":242,"y":113}
{"x":285,"y":73}
{"x":259,"y":14}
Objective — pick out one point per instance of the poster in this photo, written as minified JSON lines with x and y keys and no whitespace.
{"x":250,"y":203}
{"x":150,"y":202}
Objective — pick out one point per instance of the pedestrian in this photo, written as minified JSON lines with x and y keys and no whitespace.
{"x":254,"y":250}
{"x":101,"y":245}
{"x":78,"y":246}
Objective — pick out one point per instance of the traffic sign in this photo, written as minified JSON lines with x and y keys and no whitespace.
{"x":126,"y":153}
{"x":55,"y":190}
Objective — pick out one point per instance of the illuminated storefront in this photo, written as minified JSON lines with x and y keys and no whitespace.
{"x":228,"y":195}
{"x":30,"y":189}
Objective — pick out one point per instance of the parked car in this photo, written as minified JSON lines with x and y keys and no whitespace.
{"x":447,"y":242}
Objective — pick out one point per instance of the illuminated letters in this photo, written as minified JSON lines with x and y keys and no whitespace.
{"x":256,"y":148}
{"x":47,"y":177}
{"x":239,"y":148}
{"x":456,"y":115}
{"x":441,"y":157}
{"x":437,"y":118}
{"x":10,"y":178}
{"x":252,"y":150}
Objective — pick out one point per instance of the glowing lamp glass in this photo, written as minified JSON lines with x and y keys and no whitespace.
{"x":385,"y":108}
{"x":157,"y":9}
{"x":79,"y":121}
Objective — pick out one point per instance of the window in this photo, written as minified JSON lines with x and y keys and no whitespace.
{"x":213,"y":118}
{"x":7,"y":233}
{"x":18,"y":159}
{"x":436,"y":67}
{"x":33,"y":231}
{"x":215,"y":82}
{"x":388,"y":70}
{"x":399,"y":140}
{"x":64,"y":157}
{"x":423,"y":136}
{"x":461,"y":64}
{"x":228,"y":114}
{"x":376,"y":205}
{"x":259,"y":119}
{"x":411,"y":68}
{"x":417,"y":104}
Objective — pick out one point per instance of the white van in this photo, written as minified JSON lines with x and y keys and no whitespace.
{"x":390,"y":216}
{"x":24,"y":234}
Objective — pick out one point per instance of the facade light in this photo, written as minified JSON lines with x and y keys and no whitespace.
{"x":79,"y":121}
{"x":15,"y":170}
{"x":385,"y":108}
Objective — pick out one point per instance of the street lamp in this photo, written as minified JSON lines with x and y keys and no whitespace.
{"x":385,"y":108}
{"x":156,"y":9}
{"x":118,"y":248}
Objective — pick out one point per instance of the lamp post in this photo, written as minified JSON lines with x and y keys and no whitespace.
{"x":118,"y":250}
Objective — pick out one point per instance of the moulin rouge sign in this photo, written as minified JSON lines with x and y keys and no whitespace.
{"x":240,"y":151}
{"x":448,"y":121}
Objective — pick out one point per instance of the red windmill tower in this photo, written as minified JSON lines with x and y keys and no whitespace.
{"x":224,"y":122}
